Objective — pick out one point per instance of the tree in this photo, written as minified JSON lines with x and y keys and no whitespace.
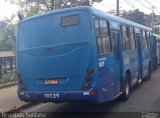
{"x":135,"y":16}
{"x":40,"y":6}
{"x":29,"y":8}
{"x":34,"y":10}
{"x":7,"y":35}
{"x":156,"y":30}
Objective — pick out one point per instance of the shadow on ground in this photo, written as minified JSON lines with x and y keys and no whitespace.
{"x":94,"y":110}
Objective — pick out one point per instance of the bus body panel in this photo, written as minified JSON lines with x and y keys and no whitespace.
{"x":146,"y":62}
{"x":117,"y":58}
{"x":130,"y":64}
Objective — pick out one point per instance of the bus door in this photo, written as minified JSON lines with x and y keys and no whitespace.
{"x":145,"y":54}
{"x":139,"y":47}
{"x":117,"y":59}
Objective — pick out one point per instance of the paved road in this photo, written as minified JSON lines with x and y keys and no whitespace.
{"x":144,"y":97}
{"x":9,"y":99}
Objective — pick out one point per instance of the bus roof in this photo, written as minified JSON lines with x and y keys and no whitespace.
{"x":56,"y":12}
{"x":119,"y":19}
{"x":95,"y":12}
{"x":156,"y":35}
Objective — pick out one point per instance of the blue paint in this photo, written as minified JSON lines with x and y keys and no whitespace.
{"x":46,"y":50}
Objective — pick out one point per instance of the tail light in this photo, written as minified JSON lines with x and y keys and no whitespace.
{"x":86,"y":84}
{"x":90,"y":71}
{"x":21,"y":86}
{"x":20,"y":83}
{"x":18,"y":75}
{"x":89,"y":93}
{"x":88,"y":78}
{"x":92,"y":93}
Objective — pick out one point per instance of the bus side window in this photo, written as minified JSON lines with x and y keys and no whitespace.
{"x":144,"y":39}
{"x":125,"y":39}
{"x":102,"y":37}
{"x":98,"y":37}
{"x":105,"y":37}
{"x":132,"y":39}
{"x":148,"y":38}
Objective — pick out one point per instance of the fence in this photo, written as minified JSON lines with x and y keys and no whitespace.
{"x":7,"y":71}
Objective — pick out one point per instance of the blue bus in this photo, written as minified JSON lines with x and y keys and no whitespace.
{"x":80,"y":54}
{"x":158,"y":49}
{"x":155,"y":51}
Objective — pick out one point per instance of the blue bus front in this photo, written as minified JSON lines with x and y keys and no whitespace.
{"x":54,"y":57}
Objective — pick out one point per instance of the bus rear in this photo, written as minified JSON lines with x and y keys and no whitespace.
{"x":53,"y":53}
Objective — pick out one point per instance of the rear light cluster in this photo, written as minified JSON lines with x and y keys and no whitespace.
{"x":88,"y":78}
{"x":20,"y":83}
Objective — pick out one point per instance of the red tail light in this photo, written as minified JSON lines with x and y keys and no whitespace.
{"x":19,"y":78}
{"x":88,"y":78}
{"x":92,"y":93}
{"x":21,"y":84}
{"x":89,"y":75}
{"x":90,"y":71}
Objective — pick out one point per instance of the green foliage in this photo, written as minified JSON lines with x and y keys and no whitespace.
{"x":8,"y":78}
{"x":37,"y":6}
{"x":50,"y":5}
{"x":33,"y":11}
{"x":7,"y":35}
{"x":30,"y":8}
{"x":135,"y":16}
{"x":141,"y":18}
{"x":156,"y":30}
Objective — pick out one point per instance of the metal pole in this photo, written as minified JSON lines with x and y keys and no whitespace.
{"x":117,"y":7}
{"x":152,"y":17}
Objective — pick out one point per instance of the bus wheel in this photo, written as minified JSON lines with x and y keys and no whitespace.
{"x":149,"y":73}
{"x":126,"y":92}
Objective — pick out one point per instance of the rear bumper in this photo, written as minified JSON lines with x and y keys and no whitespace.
{"x":59,"y":96}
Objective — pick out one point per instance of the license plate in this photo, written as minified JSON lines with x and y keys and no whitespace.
{"x":51,"y":95}
{"x":51,"y":81}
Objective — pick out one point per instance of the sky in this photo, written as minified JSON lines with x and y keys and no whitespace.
{"x":7,"y":10}
{"x":142,"y":5}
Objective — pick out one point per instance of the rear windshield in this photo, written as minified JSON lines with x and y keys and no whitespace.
{"x":69,"y":20}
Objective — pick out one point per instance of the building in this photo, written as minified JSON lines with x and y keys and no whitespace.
{"x":5,"y":54}
{"x":7,"y":62}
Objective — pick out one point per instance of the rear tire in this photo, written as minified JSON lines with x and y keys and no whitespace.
{"x":126,"y":93}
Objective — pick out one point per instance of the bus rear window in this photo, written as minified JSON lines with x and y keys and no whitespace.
{"x":69,"y":20}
